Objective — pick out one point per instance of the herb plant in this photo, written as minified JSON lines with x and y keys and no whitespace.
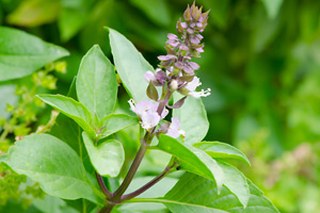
{"x":87,"y":153}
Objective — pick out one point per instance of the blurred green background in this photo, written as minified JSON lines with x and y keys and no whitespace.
{"x":261,"y":60}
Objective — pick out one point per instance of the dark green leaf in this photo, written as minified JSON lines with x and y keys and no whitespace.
{"x":222,"y":150}
{"x":54,"y":165}
{"x":152,"y":92}
{"x":21,"y":53}
{"x":106,"y":157}
{"x":130,"y":65}
{"x":96,"y":83}
{"x":192,"y":159}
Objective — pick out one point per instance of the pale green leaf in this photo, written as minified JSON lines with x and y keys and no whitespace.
{"x":54,"y":165}
{"x":106,"y":157}
{"x":272,"y":7}
{"x":196,"y":194}
{"x":193,"y":119}
{"x":21,"y":54}
{"x":222,"y":150}
{"x":236,"y":182}
{"x":72,"y":109}
{"x":96,"y":83}
{"x":192,"y":159}
{"x":114,"y":123}
{"x":130,"y":65}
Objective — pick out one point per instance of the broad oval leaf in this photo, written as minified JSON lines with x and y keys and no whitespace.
{"x":54,"y":165}
{"x":130,"y":65}
{"x":107,"y":157}
{"x":236,"y":182}
{"x":192,"y":159}
{"x":222,"y":150}
{"x":193,"y":118}
{"x":96,"y":83}
{"x":21,"y":53}
{"x":114,"y":123}
{"x":200,"y":195}
{"x":72,"y":109}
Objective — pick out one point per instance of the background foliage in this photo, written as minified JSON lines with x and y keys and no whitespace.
{"x":262,"y":61}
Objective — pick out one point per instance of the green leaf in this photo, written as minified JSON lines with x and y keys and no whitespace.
{"x":70,"y":22}
{"x":21,"y":54}
{"x":236,"y":182}
{"x":32,"y":13}
{"x":54,"y":165}
{"x":222,"y":150}
{"x":116,"y":122}
{"x":192,"y":159}
{"x":272,"y":7}
{"x":200,"y":195}
{"x":96,"y":83}
{"x":193,"y":119}
{"x":156,"y":10}
{"x":107,"y":157}
{"x":130,"y":65}
{"x":72,"y":109}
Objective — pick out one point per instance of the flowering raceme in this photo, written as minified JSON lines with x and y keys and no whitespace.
{"x":176,"y":72}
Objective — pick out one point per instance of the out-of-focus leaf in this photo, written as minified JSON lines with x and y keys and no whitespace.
{"x":106,"y":157}
{"x":32,"y":13}
{"x":193,"y":119}
{"x":54,"y":165}
{"x":192,"y":159}
{"x":21,"y":53}
{"x":7,"y":96}
{"x":222,"y":150}
{"x":272,"y":7}
{"x":132,"y":67}
{"x":70,"y":22}
{"x":156,"y":10}
{"x":96,"y":83}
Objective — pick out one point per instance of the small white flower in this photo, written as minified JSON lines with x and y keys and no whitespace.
{"x":174,"y":129}
{"x":147,"y":111}
{"x":192,"y":86}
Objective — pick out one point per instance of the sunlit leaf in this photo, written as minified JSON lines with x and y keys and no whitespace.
{"x":107,"y":157}
{"x":193,"y":119}
{"x":72,"y":109}
{"x":96,"y":83}
{"x":114,"y":123}
{"x":222,"y":150}
{"x":54,"y":165}
{"x":132,"y":67}
{"x":192,"y":159}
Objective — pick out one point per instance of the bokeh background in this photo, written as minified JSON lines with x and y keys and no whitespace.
{"x":261,"y":60}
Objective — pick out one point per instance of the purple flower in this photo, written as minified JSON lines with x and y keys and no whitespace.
{"x":174,"y":128}
{"x":147,"y":111}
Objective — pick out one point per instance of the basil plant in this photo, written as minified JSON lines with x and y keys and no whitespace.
{"x":146,"y":154}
